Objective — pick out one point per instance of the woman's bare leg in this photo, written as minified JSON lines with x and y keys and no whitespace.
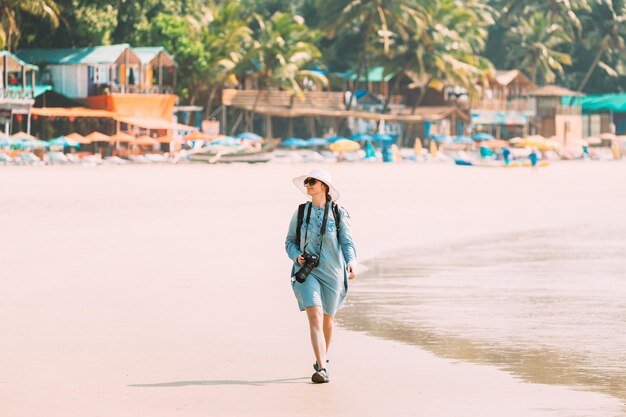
{"x":328,"y":330}
{"x":315,"y":316}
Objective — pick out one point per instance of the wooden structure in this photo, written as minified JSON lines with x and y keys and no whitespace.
{"x":87,"y":72}
{"x":17,"y":89}
{"x":318,"y":106}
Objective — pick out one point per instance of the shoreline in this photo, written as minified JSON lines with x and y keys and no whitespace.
{"x":379,"y":309}
{"x":156,"y":310}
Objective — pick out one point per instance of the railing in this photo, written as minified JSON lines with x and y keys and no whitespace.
{"x":16,"y":94}
{"x":553,"y":111}
{"x":133,"y":89}
{"x":498,"y":105}
{"x":248,"y":98}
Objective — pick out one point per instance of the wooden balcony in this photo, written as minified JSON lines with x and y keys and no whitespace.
{"x":135,"y":89}
{"x":498,"y":105}
{"x":558,"y":110}
{"x":282,"y":99}
{"x":16,"y":94}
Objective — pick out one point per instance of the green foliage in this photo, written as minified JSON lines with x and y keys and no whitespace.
{"x":578,"y":43}
{"x":176,"y":35}
{"x":536,"y":44}
{"x":14,"y":12}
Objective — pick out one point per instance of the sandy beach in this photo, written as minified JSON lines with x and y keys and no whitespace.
{"x":164,"y":290}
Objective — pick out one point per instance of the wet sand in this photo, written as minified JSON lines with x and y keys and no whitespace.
{"x":162,"y":290}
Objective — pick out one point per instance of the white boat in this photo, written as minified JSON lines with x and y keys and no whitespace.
{"x":217,"y":153}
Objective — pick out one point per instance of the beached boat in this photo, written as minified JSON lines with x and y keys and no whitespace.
{"x":213,"y":154}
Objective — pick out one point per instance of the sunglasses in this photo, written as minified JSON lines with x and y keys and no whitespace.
{"x":310,"y":181}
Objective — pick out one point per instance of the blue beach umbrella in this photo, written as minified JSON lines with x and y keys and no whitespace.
{"x":249,"y":136}
{"x":14,"y":143}
{"x":462,"y":139}
{"x":482,"y":136}
{"x":441,"y":138}
{"x":64,"y":142}
{"x":294,"y":143}
{"x":383,"y":137}
{"x":317,"y":142}
{"x":34,"y":143}
{"x":361,"y":137}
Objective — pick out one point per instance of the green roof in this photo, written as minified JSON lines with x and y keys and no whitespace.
{"x":107,"y":54}
{"x":17,"y":61}
{"x":39,"y":89}
{"x":375,"y":75}
{"x":604,"y":102}
{"x":148,"y":54}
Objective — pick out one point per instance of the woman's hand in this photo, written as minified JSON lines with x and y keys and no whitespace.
{"x":351,"y":271}
{"x":300,"y":260}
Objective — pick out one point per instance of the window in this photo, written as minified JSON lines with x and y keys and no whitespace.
{"x":100,"y":74}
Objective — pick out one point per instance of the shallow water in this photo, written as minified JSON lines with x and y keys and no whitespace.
{"x":548,"y":306}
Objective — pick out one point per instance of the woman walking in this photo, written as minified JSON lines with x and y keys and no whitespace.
{"x":320,"y":244}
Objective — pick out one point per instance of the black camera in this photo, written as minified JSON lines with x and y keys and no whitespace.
{"x":310,"y":261}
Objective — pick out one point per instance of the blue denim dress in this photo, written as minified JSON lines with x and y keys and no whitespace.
{"x":326,"y":285}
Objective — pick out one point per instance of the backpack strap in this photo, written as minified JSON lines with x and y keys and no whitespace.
{"x":301,"y":208}
{"x":337,"y":218}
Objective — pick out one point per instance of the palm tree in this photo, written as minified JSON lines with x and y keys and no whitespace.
{"x":607,"y":28}
{"x":382,"y":17}
{"x":564,"y":12}
{"x":226,"y":35}
{"x":534,"y":48}
{"x":446,"y":50}
{"x":282,"y":49}
{"x":10,"y":14}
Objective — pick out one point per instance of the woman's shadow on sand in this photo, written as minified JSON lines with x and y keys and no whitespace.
{"x":225,"y":382}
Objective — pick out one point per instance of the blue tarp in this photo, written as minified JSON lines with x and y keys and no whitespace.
{"x":317,"y":142}
{"x":294,"y":143}
{"x":482,"y":136}
{"x":604,"y":102}
{"x":250,"y":136}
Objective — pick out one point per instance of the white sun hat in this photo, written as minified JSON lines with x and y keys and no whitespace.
{"x":318,"y":174}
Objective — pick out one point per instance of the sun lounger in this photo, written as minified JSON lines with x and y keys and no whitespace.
{"x":72,"y":158}
{"x":57,"y":158}
{"x":5,"y":159}
{"x":29,"y":158}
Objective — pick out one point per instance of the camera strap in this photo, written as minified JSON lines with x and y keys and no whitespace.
{"x":323,"y":228}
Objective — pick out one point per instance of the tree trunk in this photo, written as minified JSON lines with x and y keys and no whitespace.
{"x":361,"y":58}
{"x":420,"y":98}
{"x":390,"y":92}
{"x":250,"y":125}
{"x":209,"y":101}
{"x":592,"y":68}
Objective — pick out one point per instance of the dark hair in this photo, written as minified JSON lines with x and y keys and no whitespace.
{"x":327,"y":188}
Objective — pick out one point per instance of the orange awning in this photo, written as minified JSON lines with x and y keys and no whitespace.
{"x":97,"y":137}
{"x":154,"y":124}
{"x":121,"y":137}
{"x":145,"y":140}
{"x":71,"y":112}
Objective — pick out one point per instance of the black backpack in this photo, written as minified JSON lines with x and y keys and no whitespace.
{"x":302,"y":207}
